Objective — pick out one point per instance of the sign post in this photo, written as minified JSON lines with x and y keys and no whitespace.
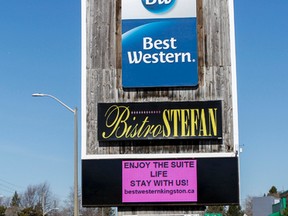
{"x":159,"y":106}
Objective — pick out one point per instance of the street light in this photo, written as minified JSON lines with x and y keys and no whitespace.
{"x":74,"y":111}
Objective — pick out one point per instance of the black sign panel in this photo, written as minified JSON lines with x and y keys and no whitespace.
{"x":216,"y":182}
{"x":163,"y":120}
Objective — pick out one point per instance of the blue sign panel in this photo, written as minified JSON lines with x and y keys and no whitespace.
{"x":159,"y":43}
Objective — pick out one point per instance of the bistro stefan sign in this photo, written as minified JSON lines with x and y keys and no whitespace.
{"x":164,"y":120}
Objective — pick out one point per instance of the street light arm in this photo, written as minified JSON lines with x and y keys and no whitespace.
{"x":76,"y":207}
{"x":55,"y":98}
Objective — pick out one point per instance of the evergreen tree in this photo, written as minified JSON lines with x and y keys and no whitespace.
{"x":30,"y":212}
{"x":15,"y":200}
{"x":2,"y":210}
{"x":234,"y":211}
{"x":273,"y":191}
{"x":216,"y":209}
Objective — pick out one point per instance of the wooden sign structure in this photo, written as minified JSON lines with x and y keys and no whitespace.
{"x":118,"y":137}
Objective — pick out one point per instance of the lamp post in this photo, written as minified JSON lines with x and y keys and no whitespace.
{"x":74,"y":111}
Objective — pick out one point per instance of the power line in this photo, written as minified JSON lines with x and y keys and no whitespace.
{"x":5,"y":181}
{"x":7,"y":187}
{"x":6,"y":190}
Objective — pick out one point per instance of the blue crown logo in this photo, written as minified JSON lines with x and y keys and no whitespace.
{"x":158,"y":6}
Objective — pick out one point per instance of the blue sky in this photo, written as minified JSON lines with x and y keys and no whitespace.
{"x":40,"y":45}
{"x":39,"y":52}
{"x":262,"y":62}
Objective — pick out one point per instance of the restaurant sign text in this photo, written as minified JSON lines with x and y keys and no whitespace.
{"x":159,"y":120}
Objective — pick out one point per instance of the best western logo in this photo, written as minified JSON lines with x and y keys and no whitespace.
{"x":158,"y":6}
{"x":157,"y":55}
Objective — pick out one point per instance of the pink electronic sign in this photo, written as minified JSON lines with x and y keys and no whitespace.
{"x":159,"y":181}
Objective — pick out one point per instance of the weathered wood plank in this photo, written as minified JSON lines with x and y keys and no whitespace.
{"x":104,"y":75}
